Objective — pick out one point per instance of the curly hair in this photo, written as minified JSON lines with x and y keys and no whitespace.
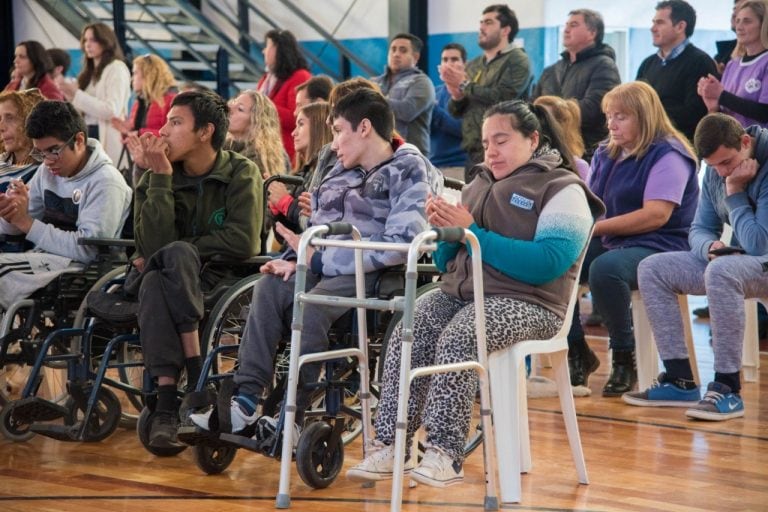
{"x":157,"y":78}
{"x":111,"y":50}
{"x":263,"y":142}
{"x":23,"y":102}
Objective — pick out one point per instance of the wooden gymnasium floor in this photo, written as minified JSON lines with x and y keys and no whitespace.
{"x":638,"y":459}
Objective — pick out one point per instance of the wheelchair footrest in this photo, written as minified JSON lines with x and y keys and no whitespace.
{"x":241,"y":441}
{"x":34,"y":408}
{"x":58,"y":432}
{"x":194,"y":435}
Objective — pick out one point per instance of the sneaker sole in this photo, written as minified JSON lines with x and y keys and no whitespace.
{"x":713,"y":416}
{"x":357,"y":475}
{"x":422,"y":479}
{"x":640,"y":402}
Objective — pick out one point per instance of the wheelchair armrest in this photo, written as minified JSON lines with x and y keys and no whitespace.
{"x":106,"y":242}
{"x":453,"y":183}
{"x":288,"y":179}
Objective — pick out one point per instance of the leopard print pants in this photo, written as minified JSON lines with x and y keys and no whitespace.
{"x":444,"y":332}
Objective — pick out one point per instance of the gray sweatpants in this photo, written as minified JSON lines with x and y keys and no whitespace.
{"x":726,"y":281}
{"x":269,"y":321}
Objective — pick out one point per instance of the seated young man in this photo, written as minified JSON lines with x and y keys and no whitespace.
{"x":380,"y":189}
{"x":734,"y":191}
{"x":194,"y":202}
{"x":76,"y":192}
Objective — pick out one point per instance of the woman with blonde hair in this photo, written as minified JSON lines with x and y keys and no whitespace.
{"x":254,"y":131}
{"x":568,"y":114}
{"x":310,"y":135}
{"x":154,"y":86}
{"x":646,"y":176}
{"x":103,"y":86}
{"x":739,"y":93}
{"x":16,"y":161}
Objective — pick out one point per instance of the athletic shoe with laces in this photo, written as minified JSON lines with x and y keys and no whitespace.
{"x":663,"y":393}
{"x":378,"y":465}
{"x":438,"y":469}
{"x":719,"y":403}
{"x":240,"y":420}
{"x":162,"y":432}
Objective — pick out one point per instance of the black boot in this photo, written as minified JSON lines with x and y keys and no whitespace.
{"x":623,"y":373}
{"x":582,"y":362}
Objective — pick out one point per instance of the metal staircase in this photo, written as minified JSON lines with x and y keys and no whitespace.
{"x":196,"y":49}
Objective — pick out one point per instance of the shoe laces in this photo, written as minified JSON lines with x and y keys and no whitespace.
{"x":712,"y":397}
{"x":437,"y":459}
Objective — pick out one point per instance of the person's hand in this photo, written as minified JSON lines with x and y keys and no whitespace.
{"x":740,"y":176}
{"x":279,"y":267}
{"x":139,"y":263}
{"x":715,"y":245}
{"x":68,"y":88}
{"x":276,"y":191}
{"x":292,"y":239}
{"x":14,"y":206}
{"x":710,"y":88}
{"x":121,"y":125}
{"x":136,"y":150}
{"x":156,"y":154}
{"x":452,"y":74}
{"x":305,"y":204}
{"x":442,"y":214}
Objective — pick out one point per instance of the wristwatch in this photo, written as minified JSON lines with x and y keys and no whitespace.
{"x":463,"y":85}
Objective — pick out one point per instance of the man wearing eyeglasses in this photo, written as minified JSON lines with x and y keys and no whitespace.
{"x":76,"y":192}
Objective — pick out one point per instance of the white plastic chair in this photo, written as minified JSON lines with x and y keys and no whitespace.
{"x":647,"y":355}
{"x":510,"y":404}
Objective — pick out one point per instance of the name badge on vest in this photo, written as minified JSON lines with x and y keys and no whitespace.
{"x":521,"y":202}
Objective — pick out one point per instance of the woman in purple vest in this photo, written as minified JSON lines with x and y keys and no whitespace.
{"x":646,"y":176}
{"x":743,"y":92}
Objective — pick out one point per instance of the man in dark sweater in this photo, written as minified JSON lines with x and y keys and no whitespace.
{"x":675,"y":69}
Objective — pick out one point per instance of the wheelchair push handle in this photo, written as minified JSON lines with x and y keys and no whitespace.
{"x":339,"y":228}
{"x":452,"y":234}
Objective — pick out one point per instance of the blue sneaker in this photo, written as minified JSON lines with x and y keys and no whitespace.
{"x":663,"y":393}
{"x":719,"y":403}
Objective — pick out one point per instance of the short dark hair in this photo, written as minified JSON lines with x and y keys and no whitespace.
{"x":60,"y":57}
{"x":318,"y":87}
{"x":416,"y":43}
{"x":207,"y":107}
{"x":680,"y":10}
{"x":366,"y":104}
{"x":594,"y":22}
{"x":39,"y":59}
{"x":288,"y":56}
{"x":456,"y":46}
{"x":57,"y":119}
{"x":715,"y":130}
{"x":506,"y":17}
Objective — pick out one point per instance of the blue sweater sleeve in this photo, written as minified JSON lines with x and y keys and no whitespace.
{"x":561,"y":234}
{"x":444,"y":253}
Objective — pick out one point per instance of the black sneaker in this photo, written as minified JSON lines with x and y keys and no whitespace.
{"x":162,"y":433}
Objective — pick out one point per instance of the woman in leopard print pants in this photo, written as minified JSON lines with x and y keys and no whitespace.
{"x":526,"y":201}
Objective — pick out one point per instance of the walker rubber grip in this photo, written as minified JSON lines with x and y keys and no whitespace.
{"x":339,"y":228}
{"x":453,"y":234}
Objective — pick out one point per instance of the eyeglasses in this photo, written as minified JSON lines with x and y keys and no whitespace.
{"x":52,"y":154}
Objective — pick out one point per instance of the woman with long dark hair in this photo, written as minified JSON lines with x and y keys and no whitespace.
{"x":286,"y":69}
{"x":31,"y":65}
{"x":103,"y":87}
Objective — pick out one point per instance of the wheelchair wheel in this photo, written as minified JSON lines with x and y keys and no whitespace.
{"x":226,"y":323}
{"x":143,"y":426}
{"x":104,"y":418}
{"x":11,"y":428}
{"x":318,"y":466}
{"x":213,"y":459}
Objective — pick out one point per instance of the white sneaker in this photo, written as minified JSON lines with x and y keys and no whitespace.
{"x":378,"y":465}
{"x":239,"y":419}
{"x":438,"y":469}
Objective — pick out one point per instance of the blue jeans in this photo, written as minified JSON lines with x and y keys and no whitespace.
{"x":612,"y":275}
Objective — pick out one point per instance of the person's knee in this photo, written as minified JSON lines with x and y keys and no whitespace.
{"x":722,"y":273}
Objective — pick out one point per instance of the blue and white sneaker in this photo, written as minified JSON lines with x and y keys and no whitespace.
{"x":663,"y":393}
{"x":719,"y":404}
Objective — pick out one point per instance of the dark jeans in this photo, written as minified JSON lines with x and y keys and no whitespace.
{"x":612,"y":276}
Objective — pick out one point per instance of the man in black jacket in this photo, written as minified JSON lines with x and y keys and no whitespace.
{"x":585,"y":73}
